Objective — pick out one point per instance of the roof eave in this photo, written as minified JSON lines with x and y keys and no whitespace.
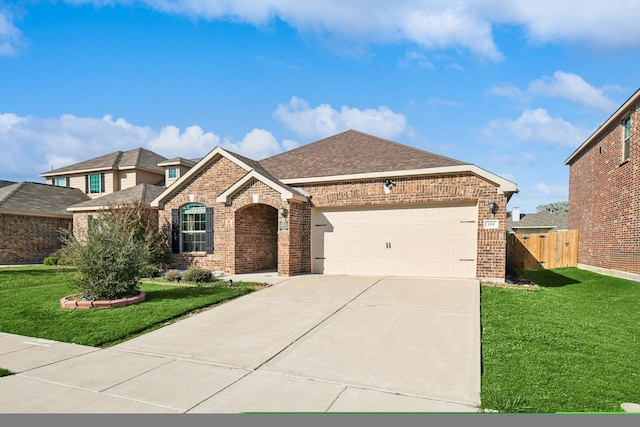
{"x":616,"y":116}
{"x":36,"y":214}
{"x":285,"y":194}
{"x":505,"y":186}
{"x":76,"y":172}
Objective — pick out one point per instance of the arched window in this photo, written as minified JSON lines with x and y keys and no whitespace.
{"x":193,"y":228}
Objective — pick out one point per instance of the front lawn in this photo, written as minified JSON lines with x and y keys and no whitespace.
{"x":29,"y":305}
{"x":573,"y":345}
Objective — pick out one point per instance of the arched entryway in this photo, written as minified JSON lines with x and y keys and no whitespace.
{"x":256,"y":238}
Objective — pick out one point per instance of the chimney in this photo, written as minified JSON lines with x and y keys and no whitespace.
{"x":515,"y":214}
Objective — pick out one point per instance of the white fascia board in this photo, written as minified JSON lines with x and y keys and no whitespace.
{"x":34,"y":214}
{"x":218,"y":151}
{"x":76,"y":172}
{"x":88,"y":208}
{"x":505,"y":186}
{"x":619,"y":114}
{"x":284,"y":193}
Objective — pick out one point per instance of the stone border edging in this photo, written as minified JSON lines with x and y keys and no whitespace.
{"x":71,"y":304}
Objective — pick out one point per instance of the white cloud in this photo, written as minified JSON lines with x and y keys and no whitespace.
{"x":33,"y":145}
{"x":430,"y":24}
{"x":465,"y":25}
{"x":415,"y":58}
{"x":574,"y":88}
{"x":537,"y":126}
{"x":257,"y":144}
{"x":552,"y":191}
{"x":191,"y":143}
{"x":10,"y":36}
{"x":596,"y":23}
{"x":509,"y":91}
{"x":323,"y":120}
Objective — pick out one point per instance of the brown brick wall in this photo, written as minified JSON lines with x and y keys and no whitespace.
{"x":256,"y":245}
{"x":604,"y":201}
{"x":427,"y":190}
{"x":240,"y":248}
{"x":29,"y":239}
{"x":203,"y":188}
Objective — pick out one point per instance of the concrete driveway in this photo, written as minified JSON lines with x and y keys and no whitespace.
{"x":307,"y":344}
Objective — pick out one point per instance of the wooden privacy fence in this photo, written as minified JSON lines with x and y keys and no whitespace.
{"x":542,"y":250}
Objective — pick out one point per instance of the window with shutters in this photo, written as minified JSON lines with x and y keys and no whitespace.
{"x":192,"y":229}
{"x":94,"y":183}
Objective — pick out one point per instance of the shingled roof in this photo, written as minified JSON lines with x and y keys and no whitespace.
{"x":31,"y":198}
{"x":137,"y":158}
{"x":143,"y":192}
{"x":351,"y":152}
{"x":4,"y":183}
{"x":557,"y":220}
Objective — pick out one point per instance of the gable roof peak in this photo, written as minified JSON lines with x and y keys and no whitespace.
{"x":139,"y":157}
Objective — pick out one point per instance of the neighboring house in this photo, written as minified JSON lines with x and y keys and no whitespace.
{"x":541,"y":222}
{"x":110,"y":173}
{"x":175,"y":168}
{"x":85,"y":211}
{"x":604,"y":194}
{"x":352,"y":203}
{"x":31,"y":216}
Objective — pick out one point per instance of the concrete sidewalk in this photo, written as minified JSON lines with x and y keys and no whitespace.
{"x":307,"y":344}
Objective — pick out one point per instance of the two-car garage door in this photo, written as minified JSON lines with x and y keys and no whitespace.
{"x":436,"y":241}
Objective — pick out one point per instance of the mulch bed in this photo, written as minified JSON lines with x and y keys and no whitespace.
{"x":514,"y":282}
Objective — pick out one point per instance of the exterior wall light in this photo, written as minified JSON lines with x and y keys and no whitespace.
{"x":493,"y":207}
{"x":283,"y":211}
{"x":388,"y":185}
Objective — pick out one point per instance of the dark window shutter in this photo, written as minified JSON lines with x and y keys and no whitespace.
{"x":102,"y":182}
{"x":68,"y":182}
{"x":175,"y":231}
{"x":209,"y":231}
{"x":86,"y":184}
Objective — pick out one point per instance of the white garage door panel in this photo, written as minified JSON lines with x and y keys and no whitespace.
{"x":427,"y":241}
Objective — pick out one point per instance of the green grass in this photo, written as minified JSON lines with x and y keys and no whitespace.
{"x":5,"y":372}
{"x":571,"y":346}
{"x":30,"y":305}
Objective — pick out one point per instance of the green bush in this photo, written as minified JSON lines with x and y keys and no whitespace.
{"x":110,"y":258}
{"x":198,"y":275}
{"x":173,"y":275}
{"x":64,"y":261}
{"x":149,"y":271}
{"x":51,"y":260}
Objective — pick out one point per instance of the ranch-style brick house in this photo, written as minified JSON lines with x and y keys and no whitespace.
{"x":352,"y":203}
{"x":604,"y":194}
{"x":31,"y":215}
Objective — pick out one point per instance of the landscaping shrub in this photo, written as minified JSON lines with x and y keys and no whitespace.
{"x":198,"y":275}
{"x":143,"y":222}
{"x":173,"y":275}
{"x":150,"y":271}
{"x":51,"y":260}
{"x":110,"y":259}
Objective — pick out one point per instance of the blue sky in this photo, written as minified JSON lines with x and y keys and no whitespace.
{"x":511,"y":86}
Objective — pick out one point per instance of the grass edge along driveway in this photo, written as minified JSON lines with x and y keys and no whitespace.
{"x":573,"y":345}
{"x":29,"y":305}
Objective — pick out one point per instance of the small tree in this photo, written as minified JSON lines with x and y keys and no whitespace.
{"x":554,"y":207}
{"x":111,"y":255}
